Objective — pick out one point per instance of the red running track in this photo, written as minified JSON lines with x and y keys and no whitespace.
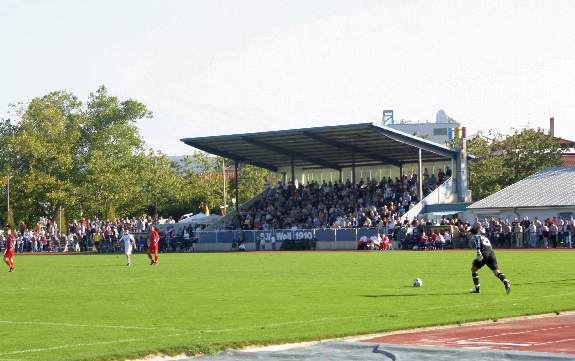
{"x":539,"y":334}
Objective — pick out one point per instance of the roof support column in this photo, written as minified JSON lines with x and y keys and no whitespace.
{"x":354,"y":193}
{"x":401,"y":172}
{"x":341,"y":175}
{"x":237,"y":188}
{"x":293,"y":171}
{"x":419,"y":175}
{"x":461,"y":171}
{"x":353,"y":168}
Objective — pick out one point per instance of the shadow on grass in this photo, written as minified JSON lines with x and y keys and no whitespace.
{"x":455,"y":293}
{"x":567,"y":281}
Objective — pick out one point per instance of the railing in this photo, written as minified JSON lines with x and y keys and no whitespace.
{"x":323,"y":239}
{"x":232,"y":213}
{"x":442,"y":194}
{"x":279,"y":235}
{"x":528,"y":239}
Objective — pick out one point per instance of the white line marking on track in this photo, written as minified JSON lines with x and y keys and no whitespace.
{"x":476,"y":347}
{"x":517,"y":333}
{"x":465,"y":342}
{"x":556,"y":341}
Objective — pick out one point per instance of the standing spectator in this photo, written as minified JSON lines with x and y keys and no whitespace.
{"x":553,"y":233}
{"x":545,"y":234}
{"x":532,"y":235}
{"x":571,"y":231}
{"x":566,"y":237}
{"x":447,"y":238}
{"x":525,"y":223}
{"x":518,"y":235}
{"x":506,"y":230}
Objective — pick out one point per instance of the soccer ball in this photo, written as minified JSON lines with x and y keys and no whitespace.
{"x":417,"y":282}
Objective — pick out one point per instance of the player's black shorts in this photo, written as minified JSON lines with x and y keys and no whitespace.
{"x":490,"y":261}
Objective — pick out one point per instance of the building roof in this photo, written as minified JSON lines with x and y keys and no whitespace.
{"x":568,"y":159}
{"x":552,"y":187}
{"x":334,"y":147}
{"x":564,"y":142}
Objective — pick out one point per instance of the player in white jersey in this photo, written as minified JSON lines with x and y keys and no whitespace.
{"x":129,"y":244}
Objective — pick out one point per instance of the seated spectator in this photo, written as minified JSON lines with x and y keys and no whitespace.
{"x":334,"y":204}
{"x":362,"y":242}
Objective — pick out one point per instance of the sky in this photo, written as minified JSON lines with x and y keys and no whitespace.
{"x":223,"y":67}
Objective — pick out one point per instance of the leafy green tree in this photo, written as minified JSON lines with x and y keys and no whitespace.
{"x":504,"y":160}
{"x":108,"y":151}
{"x":162,"y":184}
{"x":487,"y":172}
{"x":66,"y":159}
{"x":40,"y":158}
{"x":204,"y":180}
{"x":251,"y":182}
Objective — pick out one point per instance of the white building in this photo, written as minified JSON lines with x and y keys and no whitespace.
{"x":438,"y":132}
{"x":548,"y":194}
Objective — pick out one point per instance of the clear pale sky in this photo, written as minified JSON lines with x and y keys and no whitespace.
{"x":221,"y":67}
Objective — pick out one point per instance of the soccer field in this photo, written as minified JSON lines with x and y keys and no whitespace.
{"x":93,"y":307}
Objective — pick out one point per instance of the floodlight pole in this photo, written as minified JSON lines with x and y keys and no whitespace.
{"x":353,"y":168}
{"x":353,"y":177}
{"x":8,"y":197}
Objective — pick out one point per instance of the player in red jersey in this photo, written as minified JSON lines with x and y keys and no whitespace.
{"x":10,"y":248}
{"x":153,"y":245}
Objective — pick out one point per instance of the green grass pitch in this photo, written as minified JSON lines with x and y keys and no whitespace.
{"x":95,"y":308}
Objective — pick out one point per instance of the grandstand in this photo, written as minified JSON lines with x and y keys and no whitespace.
{"x":367,"y":165}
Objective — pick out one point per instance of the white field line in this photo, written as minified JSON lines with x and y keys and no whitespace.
{"x":63,"y":324}
{"x":127,"y":340}
{"x":200,"y":331}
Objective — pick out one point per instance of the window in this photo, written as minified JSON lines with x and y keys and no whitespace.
{"x":440,"y":131}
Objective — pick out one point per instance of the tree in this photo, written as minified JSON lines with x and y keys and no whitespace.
{"x":62,"y":154}
{"x":38,"y":155}
{"x":203,"y":179}
{"x":108,"y":154}
{"x":163,"y":186}
{"x":503,"y":160}
{"x":251,"y":182}
{"x":68,"y":159}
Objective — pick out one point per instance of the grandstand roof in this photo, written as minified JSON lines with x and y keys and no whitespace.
{"x":549,"y":188}
{"x":334,"y":147}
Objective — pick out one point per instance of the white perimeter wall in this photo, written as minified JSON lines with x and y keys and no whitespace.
{"x":541,"y":213}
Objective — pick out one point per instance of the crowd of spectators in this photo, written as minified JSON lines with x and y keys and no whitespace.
{"x":79,"y":236}
{"x":548,"y":233}
{"x":369,"y":203}
{"x":502,"y":233}
{"x":425,"y":234}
